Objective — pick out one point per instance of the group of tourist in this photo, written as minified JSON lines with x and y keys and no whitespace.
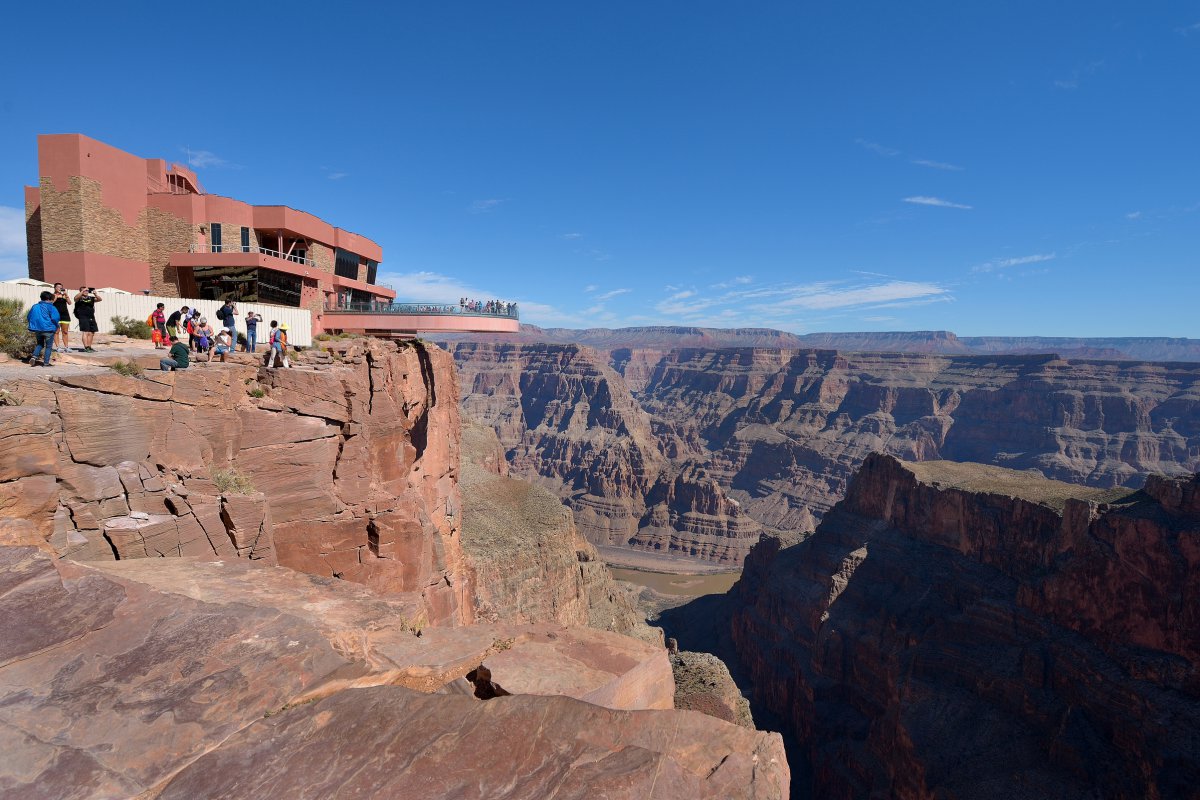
{"x":168,"y":331}
{"x":487,"y":306}
{"x":49,"y":320}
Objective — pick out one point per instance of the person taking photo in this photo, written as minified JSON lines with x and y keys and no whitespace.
{"x":85,"y":312}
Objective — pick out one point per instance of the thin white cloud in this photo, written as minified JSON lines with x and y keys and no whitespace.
{"x":879,"y":319}
{"x":484,"y":206}
{"x":591,"y":287}
{"x":1005,"y":263}
{"x":570,"y":236}
{"x":876,"y":148}
{"x":922,"y":200}
{"x":14,"y":261}
{"x":1134,"y":215}
{"x":942,"y":165}
{"x":1078,"y":74}
{"x":337,"y":176}
{"x":204,"y":159}
{"x":612,"y":294}
{"x":740,"y":280}
{"x":1187,"y":30}
{"x":824,"y":296}
{"x":781,"y":305}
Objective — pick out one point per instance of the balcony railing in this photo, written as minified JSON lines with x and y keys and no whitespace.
{"x":218,"y":248}
{"x":503,"y":310}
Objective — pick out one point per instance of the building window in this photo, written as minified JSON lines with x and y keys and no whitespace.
{"x":245,"y":240}
{"x":372,"y":270}
{"x":214,"y":236}
{"x":247,"y":284}
{"x":346,"y":264}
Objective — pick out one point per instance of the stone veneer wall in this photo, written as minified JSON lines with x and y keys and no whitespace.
{"x":33,"y":240}
{"x":322,"y":255}
{"x":77,"y":220}
{"x":166,"y":234}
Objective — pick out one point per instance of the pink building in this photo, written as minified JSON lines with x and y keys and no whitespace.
{"x":103,"y":217}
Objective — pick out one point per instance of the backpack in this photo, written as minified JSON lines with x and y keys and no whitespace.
{"x":150,"y":319}
{"x":223,"y":312}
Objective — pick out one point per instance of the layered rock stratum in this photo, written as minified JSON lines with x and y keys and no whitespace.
{"x":966,"y":631}
{"x":749,"y":440}
{"x":346,"y":479}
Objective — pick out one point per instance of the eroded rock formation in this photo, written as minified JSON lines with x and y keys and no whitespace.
{"x":346,"y":479}
{"x":965,"y":631}
{"x":568,"y":421}
{"x":529,"y":563}
{"x":745,"y":440}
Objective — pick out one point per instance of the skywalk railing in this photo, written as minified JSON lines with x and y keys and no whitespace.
{"x":220,"y":248}
{"x":504,"y":310}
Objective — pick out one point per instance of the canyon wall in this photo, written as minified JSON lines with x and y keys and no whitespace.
{"x":344,"y":475}
{"x":750,"y":440}
{"x":965,"y":631}
{"x":568,"y":422}
{"x":529,"y":563}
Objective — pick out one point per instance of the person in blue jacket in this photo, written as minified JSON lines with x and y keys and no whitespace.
{"x":43,"y":322}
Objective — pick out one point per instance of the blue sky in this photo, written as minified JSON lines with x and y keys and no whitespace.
{"x":1004,"y":168}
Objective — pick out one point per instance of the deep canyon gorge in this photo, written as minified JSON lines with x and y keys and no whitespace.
{"x":695,"y":452}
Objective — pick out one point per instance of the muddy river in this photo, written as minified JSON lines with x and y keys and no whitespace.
{"x":687,"y":585}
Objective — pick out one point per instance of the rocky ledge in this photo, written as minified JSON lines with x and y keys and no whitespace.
{"x":190,"y":678}
{"x":965,"y":631}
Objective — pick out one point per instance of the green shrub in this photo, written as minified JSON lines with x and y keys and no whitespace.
{"x":232,"y":481}
{"x":15,"y":338}
{"x":133,"y":328}
{"x":129,"y":369}
{"x":258,"y":393}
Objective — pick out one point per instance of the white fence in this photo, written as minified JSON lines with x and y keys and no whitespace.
{"x":139,"y":306}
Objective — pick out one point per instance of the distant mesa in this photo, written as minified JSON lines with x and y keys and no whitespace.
{"x":1137,"y":348}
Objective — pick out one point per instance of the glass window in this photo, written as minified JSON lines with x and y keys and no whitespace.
{"x":245,"y":240}
{"x":214,"y":236}
{"x":372,"y":270}
{"x":345,"y":264}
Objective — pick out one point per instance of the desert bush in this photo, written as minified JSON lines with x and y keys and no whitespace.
{"x":129,"y":369}
{"x":258,"y":393}
{"x":232,"y":481}
{"x":133,"y":328}
{"x":15,"y":338}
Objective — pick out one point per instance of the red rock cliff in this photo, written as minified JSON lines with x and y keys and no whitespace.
{"x":961,"y":631}
{"x":352,"y":468}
